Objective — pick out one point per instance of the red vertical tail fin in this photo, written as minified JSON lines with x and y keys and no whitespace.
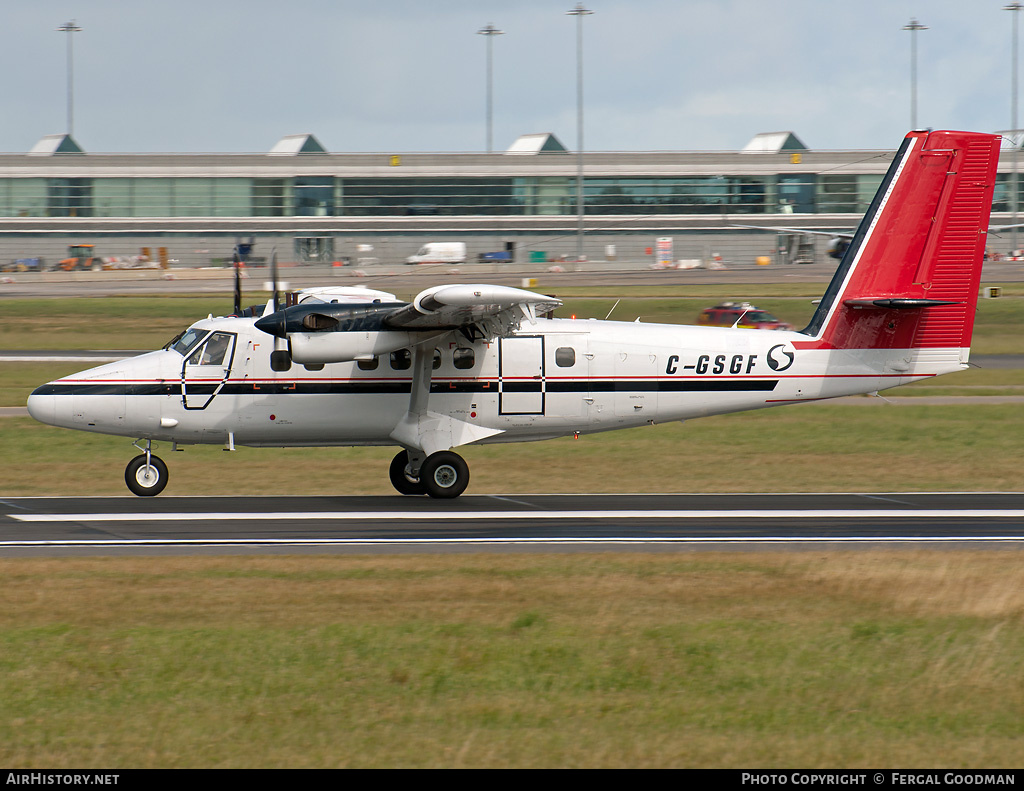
{"x":910,"y":277}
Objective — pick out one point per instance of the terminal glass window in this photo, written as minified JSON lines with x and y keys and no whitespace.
{"x":796,"y":193}
{"x":268,"y":198}
{"x":232,"y":197}
{"x":193,"y":197}
{"x":544,"y":195}
{"x":69,"y":198}
{"x":838,"y":194}
{"x":698,"y":195}
{"x":314,"y":196}
{"x":1001,"y":199}
{"x":112,"y":197}
{"x":426,"y":197}
{"x":23,"y":197}
{"x":152,"y":197}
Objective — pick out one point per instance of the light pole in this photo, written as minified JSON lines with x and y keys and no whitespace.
{"x":490,"y":31}
{"x":913,"y":26}
{"x":1014,"y":137}
{"x":579,"y":12}
{"x":70,"y":28}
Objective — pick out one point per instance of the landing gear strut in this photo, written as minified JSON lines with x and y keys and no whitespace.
{"x":443,"y":475}
{"x":146,"y":474}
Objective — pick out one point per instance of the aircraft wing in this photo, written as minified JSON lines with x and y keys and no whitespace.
{"x":320,"y":332}
{"x":496,"y":310}
{"x":830,"y":234}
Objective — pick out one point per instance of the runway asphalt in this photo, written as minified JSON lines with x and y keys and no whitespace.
{"x":52,"y":526}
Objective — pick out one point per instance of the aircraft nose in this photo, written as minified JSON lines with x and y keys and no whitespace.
{"x":42,"y":405}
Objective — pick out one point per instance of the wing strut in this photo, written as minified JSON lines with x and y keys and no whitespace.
{"x":422,"y":432}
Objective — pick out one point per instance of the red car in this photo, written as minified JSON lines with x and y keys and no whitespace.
{"x":741,"y":314}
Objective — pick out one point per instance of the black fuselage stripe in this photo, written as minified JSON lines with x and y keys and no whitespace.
{"x":403,"y":387}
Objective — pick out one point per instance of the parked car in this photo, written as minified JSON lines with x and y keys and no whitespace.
{"x":741,"y":314}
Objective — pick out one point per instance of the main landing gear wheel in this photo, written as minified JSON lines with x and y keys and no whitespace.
{"x":402,"y":483}
{"x":146,"y":480}
{"x":445,"y":474}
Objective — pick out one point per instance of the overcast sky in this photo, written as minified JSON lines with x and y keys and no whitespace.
{"x":409,"y":75}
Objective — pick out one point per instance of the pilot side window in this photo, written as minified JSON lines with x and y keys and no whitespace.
{"x":565,"y":357}
{"x":213,"y":351}
{"x":401,"y":360}
{"x":186,"y":340}
{"x":464,"y":359}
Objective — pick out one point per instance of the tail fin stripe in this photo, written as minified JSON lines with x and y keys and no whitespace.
{"x":848,"y":264}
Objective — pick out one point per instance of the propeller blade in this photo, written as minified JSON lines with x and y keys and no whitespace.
{"x":238,"y":284}
{"x":273,"y":276}
{"x":280,"y":358}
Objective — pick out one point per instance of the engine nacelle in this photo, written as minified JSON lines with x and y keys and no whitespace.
{"x":316,"y":348}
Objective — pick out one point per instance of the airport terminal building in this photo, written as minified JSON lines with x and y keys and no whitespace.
{"x":318,"y":207}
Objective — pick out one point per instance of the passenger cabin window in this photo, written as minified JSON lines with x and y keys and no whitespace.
{"x":464,"y":359}
{"x":368,"y":365}
{"x":565,"y":357}
{"x":401,"y":360}
{"x":437,"y":359}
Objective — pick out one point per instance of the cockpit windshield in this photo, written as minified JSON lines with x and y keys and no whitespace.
{"x":184,"y":341}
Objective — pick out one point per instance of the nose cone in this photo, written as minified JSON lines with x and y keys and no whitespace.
{"x":42,"y":405}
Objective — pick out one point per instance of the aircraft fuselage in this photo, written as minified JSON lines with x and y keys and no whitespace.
{"x":553,"y":378}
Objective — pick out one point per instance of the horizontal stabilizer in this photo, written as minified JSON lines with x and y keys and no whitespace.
{"x":895,"y":303}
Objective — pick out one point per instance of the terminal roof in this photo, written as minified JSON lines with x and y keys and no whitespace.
{"x":542,"y":143}
{"x":290,"y":145}
{"x":773,"y":143}
{"x":55,"y":144}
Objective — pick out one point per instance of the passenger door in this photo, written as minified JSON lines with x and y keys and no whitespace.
{"x":206,"y":370}
{"x":521,"y":375}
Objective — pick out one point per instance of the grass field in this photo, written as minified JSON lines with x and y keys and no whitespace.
{"x":815,"y":447}
{"x":815,"y":659}
{"x":819,"y":659}
{"x":148,"y":323}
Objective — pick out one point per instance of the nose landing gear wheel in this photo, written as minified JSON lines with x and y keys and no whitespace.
{"x":402,"y":483}
{"x":445,"y":474}
{"x":146,"y":480}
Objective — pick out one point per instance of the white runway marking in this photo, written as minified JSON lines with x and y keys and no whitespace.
{"x":451,"y":516}
{"x":379,"y":542}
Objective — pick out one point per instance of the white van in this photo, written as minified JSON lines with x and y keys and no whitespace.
{"x":439,"y":253}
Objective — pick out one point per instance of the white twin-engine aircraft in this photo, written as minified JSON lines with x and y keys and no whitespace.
{"x":466,"y":364}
